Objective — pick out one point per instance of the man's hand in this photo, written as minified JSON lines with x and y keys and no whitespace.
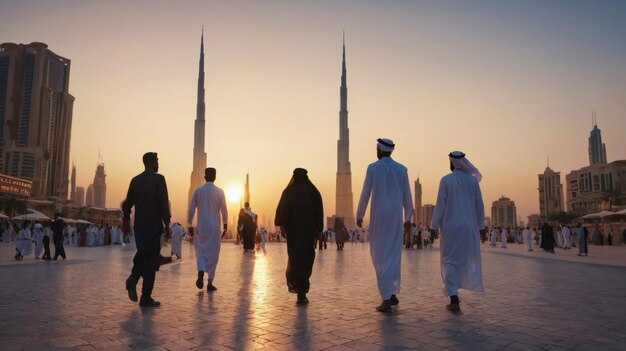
{"x":359,"y":222}
{"x":225,"y":226}
{"x":190,"y":230}
{"x":126,"y":226}
{"x":168,"y":232}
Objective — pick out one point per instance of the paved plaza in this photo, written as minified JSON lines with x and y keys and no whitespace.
{"x":533,"y":301}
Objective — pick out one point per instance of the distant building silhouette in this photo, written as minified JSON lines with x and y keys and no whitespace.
{"x":80,"y":196}
{"x":418,"y":202}
{"x":96,"y":192}
{"x":199,"y":156}
{"x":597,"y":149}
{"x":344,"y":203}
{"x":246,"y":190}
{"x":426,"y":214}
{"x":534,"y":220}
{"x":503,"y":213}
{"x":550,"y":194}
{"x":73,"y":184}
{"x":35,"y":117}
{"x":598,"y":186}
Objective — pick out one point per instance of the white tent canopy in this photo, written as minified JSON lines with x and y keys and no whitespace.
{"x":600,"y":214}
{"x":31,"y":215}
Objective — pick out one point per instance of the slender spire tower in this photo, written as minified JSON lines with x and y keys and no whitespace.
{"x":344,"y":205}
{"x":199,"y":156}
{"x":246,"y":189}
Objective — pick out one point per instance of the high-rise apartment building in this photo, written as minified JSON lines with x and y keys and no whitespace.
{"x":503,"y":213}
{"x":550,"y":194}
{"x":35,"y":117}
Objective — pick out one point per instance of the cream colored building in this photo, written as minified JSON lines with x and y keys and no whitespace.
{"x":35,"y":117}
{"x":550,"y":194}
{"x":595,"y":188}
{"x":503,"y":213}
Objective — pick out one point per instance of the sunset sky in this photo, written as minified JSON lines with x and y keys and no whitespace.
{"x":508,"y":82}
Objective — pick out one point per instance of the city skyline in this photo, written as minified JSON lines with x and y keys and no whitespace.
{"x":527,"y":76}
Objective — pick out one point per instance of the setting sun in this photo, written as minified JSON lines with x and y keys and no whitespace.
{"x":233,"y":193}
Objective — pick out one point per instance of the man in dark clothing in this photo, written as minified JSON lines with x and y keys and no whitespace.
{"x":300,"y":216}
{"x":46,"y":246}
{"x":148,"y":194}
{"x":547,"y":238}
{"x":247,"y":222}
{"x":57,"y":227}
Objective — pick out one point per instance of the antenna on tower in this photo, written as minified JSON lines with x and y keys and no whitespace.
{"x":548,"y":160}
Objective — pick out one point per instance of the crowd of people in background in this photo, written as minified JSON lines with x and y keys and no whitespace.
{"x":551,"y":237}
{"x":35,"y":237}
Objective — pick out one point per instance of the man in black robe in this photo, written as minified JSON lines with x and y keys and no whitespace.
{"x":247,"y":223}
{"x":148,"y":194}
{"x":57,"y":227}
{"x":300,"y":216}
{"x":547,"y":238}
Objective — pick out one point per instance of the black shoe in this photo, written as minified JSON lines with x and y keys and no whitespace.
{"x":149,"y":302}
{"x":393,"y":300}
{"x":131,"y":286}
{"x":211,"y":287}
{"x":385,"y":306}
{"x":199,"y":283}
{"x":454,"y":307}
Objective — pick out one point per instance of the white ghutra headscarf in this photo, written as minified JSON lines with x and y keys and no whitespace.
{"x":460,"y":162}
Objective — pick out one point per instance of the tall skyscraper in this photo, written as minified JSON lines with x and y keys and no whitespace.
{"x":550,"y":193}
{"x":35,"y":117}
{"x":597,"y":149}
{"x":418,"y":202}
{"x":100,"y":187}
{"x":73,"y":184}
{"x":344,"y":205}
{"x":199,"y":156}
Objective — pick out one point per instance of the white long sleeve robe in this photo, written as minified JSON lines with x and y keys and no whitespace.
{"x":38,"y":236}
{"x":210,"y":202}
{"x":177,"y":237}
{"x":387,"y":182}
{"x":459,"y":215}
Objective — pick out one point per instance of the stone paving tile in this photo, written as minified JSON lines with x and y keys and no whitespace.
{"x":533,"y":301}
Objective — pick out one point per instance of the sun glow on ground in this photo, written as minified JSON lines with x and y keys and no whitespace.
{"x":233,"y":193}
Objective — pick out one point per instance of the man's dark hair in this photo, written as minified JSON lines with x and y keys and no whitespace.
{"x":247,"y":204}
{"x":209,"y":174}
{"x":149,"y":158}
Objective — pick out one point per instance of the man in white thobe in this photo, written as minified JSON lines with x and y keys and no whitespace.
{"x":567,"y":238}
{"x":492,"y":236}
{"x":459,"y":216}
{"x":504,"y":236}
{"x":528,"y":238}
{"x":210,"y":202}
{"x":387,"y":182}
{"x":177,"y":239}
